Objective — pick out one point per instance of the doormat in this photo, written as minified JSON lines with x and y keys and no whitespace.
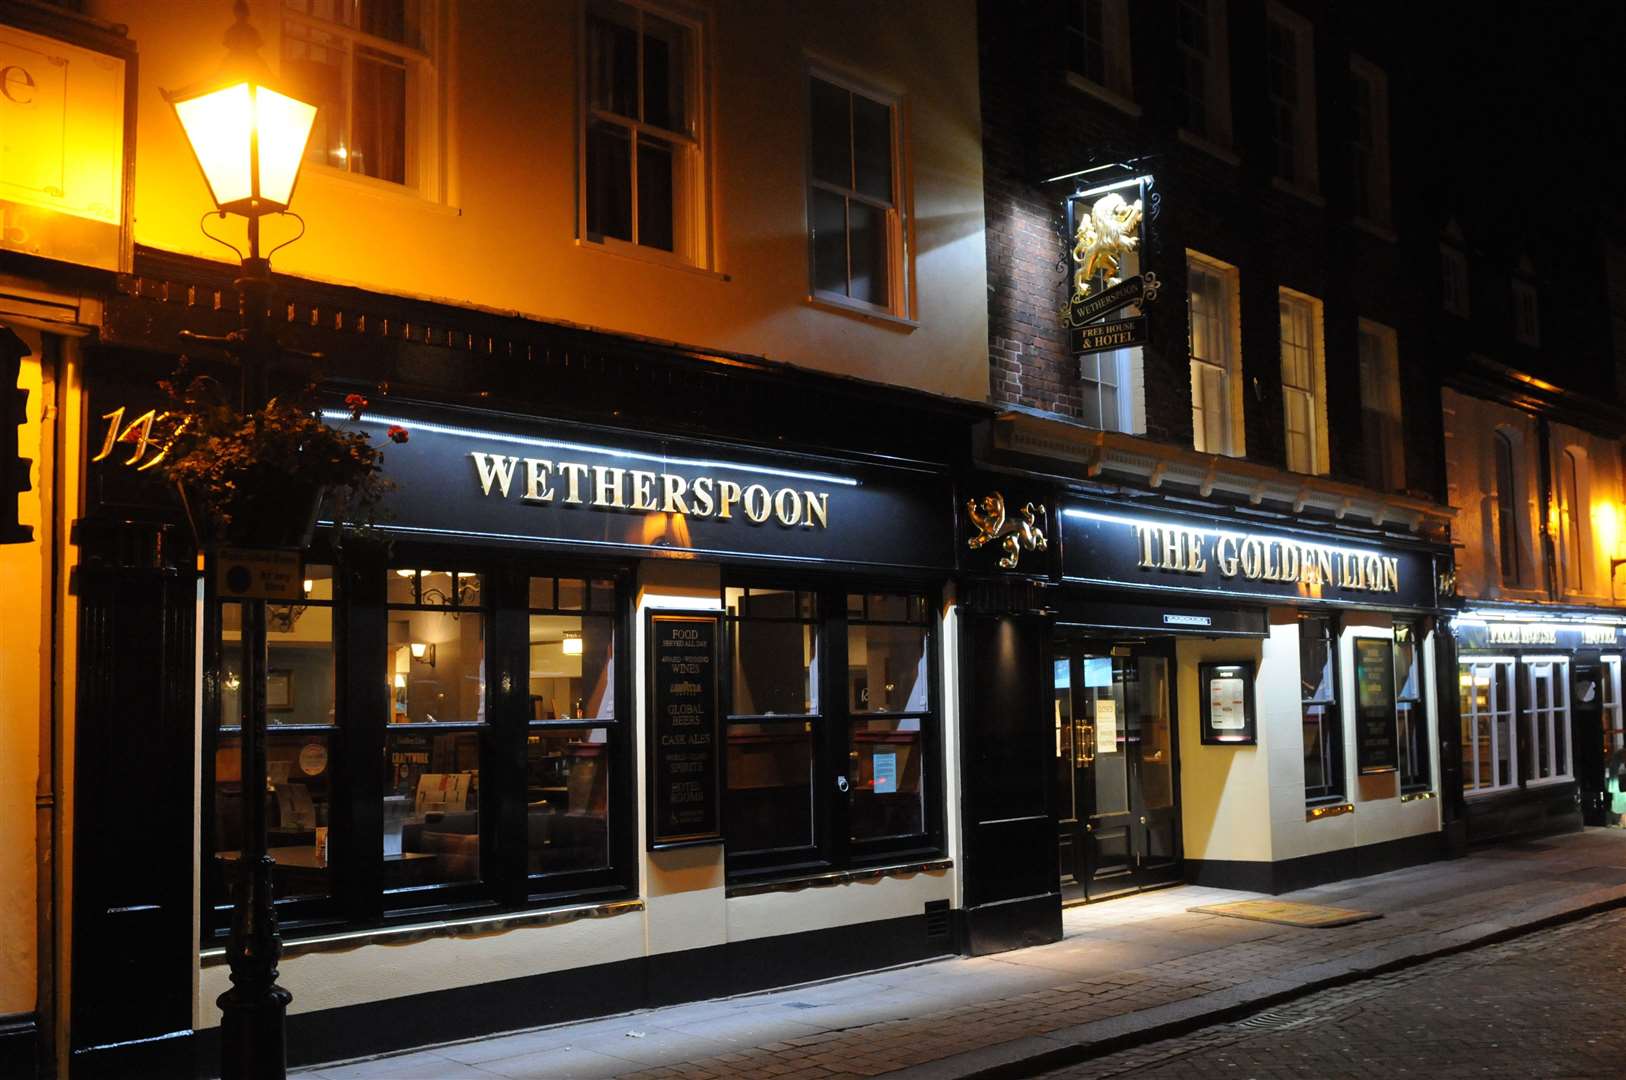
{"x":1287,"y":913}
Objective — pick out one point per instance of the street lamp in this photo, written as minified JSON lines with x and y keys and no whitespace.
{"x":249,"y":140}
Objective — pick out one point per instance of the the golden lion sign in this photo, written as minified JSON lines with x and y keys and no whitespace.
{"x":988,"y":515}
{"x":1103,"y":234}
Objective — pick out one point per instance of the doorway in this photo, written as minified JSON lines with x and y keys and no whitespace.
{"x":1117,"y":778}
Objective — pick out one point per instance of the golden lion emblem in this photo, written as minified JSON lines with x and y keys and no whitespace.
{"x":988,"y":515}
{"x":1103,"y":234}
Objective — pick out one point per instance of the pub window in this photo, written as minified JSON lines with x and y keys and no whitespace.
{"x":1614,"y":725}
{"x":818,"y":778}
{"x":437,"y":676}
{"x":1547,"y":718}
{"x":1304,"y":401}
{"x":1490,"y":753}
{"x":1323,"y":731}
{"x":857,"y":231}
{"x":1571,"y":521}
{"x":1507,"y":516}
{"x":1411,"y":718}
{"x":300,"y":746}
{"x":368,"y":66}
{"x":1381,"y":437}
{"x":1098,"y":49}
{"x":1454,"y":281}
{"x":1369,"y":147}
{"x":1214,"y":326}
{"x":643,"y":161}
{"x":1290,"y":75}
{"x":1526,"y":313}
{"x":1205,"y":81}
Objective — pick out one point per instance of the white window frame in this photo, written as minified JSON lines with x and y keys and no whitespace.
{"x":1225,"y":328}
{"x":427,"y":113}
{"x":1571,"y":488}
{"x":1216,"y":81}
{"x":1315,"y":394}
{"x":1116,"y":87}
{"x":1306,"y":171}
{"x":1526,"y":313}
{"x":1384,"y":386}
{"x":1501,"y":716}
{"x":1453,"y":281}
{"x":1549,"y":721}
{"x":1126,"y":366}
{"x":691,"y":222}
{"x":899,"y":220}
{"x":1614,"y":727}
{"x":1374,"y":176}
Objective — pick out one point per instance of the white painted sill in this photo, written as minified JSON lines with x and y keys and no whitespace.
{"x":1212,"y":149}
{"x":622,"y":250}
{"x":850,"y":308}
{"x":1101,"y":93}
{"x":1298,"y":192}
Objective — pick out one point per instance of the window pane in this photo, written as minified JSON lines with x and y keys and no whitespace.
{"x":893,"y":607}
{"x":872,"y":148}
{"x":603,"y":596}
{"x":313,"y":64}
{"x":431,"y":807}
{"x":572,"y":667}
{"x":378,"y":122}
{"x":609,"y":180}
{"x":401,"y":587}
{"x":1315,"y":660}
{"x":390,"y":19}
{"x":829,"y":242}
{"x":437,"y":665}
{"x":567,"y":780}
{"x":655,"y":192}
{"x":299,"y":665}
{"x":297,"y":807}
{"x":870,"y":272}
{"x":665,"y":71}
{"x":572,"y":594}
{"x":612,"y":59}
{"x":832,"y":149}
{"x":769,"y":802}
{"x":886,"y":668}
{"x":885,"y":794}
{"x":540,"y":593}
{"x":774,"y":668}
{"x":1316,"y":780}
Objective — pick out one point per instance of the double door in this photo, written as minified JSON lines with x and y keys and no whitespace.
{"x":1118,"y":819}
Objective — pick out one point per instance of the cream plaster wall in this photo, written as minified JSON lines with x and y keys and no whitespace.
{"x":1224,"y":790}
{"x":505,"y":234}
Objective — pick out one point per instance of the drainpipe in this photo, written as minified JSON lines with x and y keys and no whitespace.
{"x":1549,"y":553}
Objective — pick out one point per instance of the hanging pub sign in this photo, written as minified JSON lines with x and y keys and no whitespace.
{"x":1377,"y":739}
{"x":1105,"y":225}
{"x":685,"y":761}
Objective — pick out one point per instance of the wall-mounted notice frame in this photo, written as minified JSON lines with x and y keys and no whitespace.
{"x":1228,"y":714}
{"x":685,"y":758}
{"x":1377,"y":738}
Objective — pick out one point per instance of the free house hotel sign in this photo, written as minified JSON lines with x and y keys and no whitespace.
{"x":1171,"y":554}
{"x":519,"y":479}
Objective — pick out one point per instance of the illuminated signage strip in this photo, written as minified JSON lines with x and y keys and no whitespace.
{"x":1475,"y":633}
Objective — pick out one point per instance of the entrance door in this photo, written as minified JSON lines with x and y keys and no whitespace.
{"x":1118,"y":827}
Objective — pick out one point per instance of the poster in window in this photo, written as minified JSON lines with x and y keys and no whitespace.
{"x":1228,"y":717}
{"x":1106,"y":726}
{"x":685,"y":763}
{"x":1377,"y":738}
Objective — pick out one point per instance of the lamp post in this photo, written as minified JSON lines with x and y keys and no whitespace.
{"x":249,"y":140}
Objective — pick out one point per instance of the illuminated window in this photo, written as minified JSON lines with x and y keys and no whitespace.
{"x":1411,"y":715}
{"x":642,"y":168}
{"x":1507,"y":517}
{"x":1216,"y":412}
{"x":1490,"y":754}
{"x":369,"y":67}
{"x":1614,"y":724}
{"x":1370,"y":145}
{"x":1303,"y":383}
{"x":1098,"y":47}
{"x":1205,"y":78}
{"x":1323,"y":731}
{"x":1547,"y":718}
{"x":1290,"y":75}
{"x":1571,"y":520}
{"x":1381,"y":437}
{"x":1454,"y":281}
{"x":858,"y":238}
{"x":1526,"y":313}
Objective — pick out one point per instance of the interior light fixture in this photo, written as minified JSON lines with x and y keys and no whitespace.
{"x":422,"y":652}
{"x":573,"y":643}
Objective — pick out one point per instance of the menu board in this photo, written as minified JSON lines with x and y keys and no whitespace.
{"x":1227,"y":704}
{"x":685,"y":804}
{"x":1377,"y":741}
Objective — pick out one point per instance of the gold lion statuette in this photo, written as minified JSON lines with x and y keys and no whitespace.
{"x":988,"y":515}
{"x":1106,"y":232}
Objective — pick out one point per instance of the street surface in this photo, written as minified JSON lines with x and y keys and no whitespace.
{"x":1550,"y":1005}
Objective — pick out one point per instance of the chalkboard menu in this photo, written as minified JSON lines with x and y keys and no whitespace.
{"x":685,"y":802}
{"x":1377,"y":743}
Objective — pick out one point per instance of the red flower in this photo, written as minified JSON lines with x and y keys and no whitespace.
{"x":398,"y":434}
{"x":355,"y":403}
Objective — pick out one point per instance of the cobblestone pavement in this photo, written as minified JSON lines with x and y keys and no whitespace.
{"x":1546,"y":1005}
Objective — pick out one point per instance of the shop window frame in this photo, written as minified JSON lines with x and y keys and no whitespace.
{"x":1499,"y":712}
{"x":1334,"y":763}
{"x":1421,"y":774}
{"x":832,"y":847}
{"x":1552,"y":721}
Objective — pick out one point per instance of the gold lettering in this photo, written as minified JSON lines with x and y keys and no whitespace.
{"x":498,"y":468}
{"x":728,"y":496}
{"x":672,"y":488}
{"x":575,"y":474}
{"x":1253,"y":557}
{"x":607,"y":487}
{"x":138,"y":431}
{"x":1143,"y":534}
{"x":1290,"y":562}
{"x":1169,"y":542}
{"x":818,"y":506}
{"x":643,"y":489}
{"x":1272,"y":570}
{"x":787,"y":506}
{"x":704,"y":502}
{"x":15,"y":81}
{"x":1195,"y":562}
{"x":1391,"y":574}
{"x":1347,"y":572}
{"x":757,"y":503}
{"x":536,"y":480}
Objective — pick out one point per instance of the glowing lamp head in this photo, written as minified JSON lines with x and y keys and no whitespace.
{"x":419,"y":649}
{"x":572,"y":643}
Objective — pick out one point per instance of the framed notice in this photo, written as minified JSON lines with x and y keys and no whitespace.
{"x":685,"y":760}
{"x":1377,"y":739}
{"x":1228,"y":714}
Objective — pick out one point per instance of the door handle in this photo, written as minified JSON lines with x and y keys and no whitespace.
{"x":1143,"y":819}
{"x":841,"y":784}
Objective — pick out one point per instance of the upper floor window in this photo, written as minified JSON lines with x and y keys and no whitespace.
{"x":1304,"y":380}
{"x":1290,"y":68}
{"x":1380,"y":407}
{"x":1370,"y":146}
{"x":368,"y":66}
{"x":1454,"y":281}
{"x":1205,"y":83}
{"x":857,"y":229}
{"x":642,"y":166}
{"x":1571,"y":519}
{"x":1507,"y":530}
{"x":1526,"y":313}
{"x":1098,"y":47}
{"x":1216,"y":413}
